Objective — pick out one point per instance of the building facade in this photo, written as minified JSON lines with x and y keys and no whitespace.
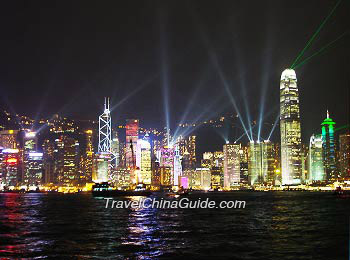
{"x":291,"y":161}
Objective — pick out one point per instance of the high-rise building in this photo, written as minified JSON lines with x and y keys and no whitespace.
{"x":105,"y":129}
{"x":192,"y":149}
{"x":344,"y":155}
{"x":218,"y":159}
{"x":329,"y":148}
{"x":165,"y":176}
{"x":68,"y":175}
{"x":261,"y":163}
{"x":32,"y":166}
{"x":255,"y":170}
{"x":11,"y":167}
{"x":48,"y":161}
{"x":115,"y":149}
{"x":132,"y":135}
{"x":143,"y":160}
{"x":207,"y":161}
{"x":217,"y":177}
{"x":177,"y":165}
{"x":243,"y":154}
{"x":89,"y":156}
{"x":290,"y":129}
{"x":33,"y":174}
{"x":316,"y":170}
{"x":102,"y":169}
{"x":231,"y":165}
{"x":102,"y":160}
{"x":8,"y":139}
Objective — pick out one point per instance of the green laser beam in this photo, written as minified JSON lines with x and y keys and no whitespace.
{"x":315,"y":34}
{"x":342,"y":127}
{"x":324,"y":48}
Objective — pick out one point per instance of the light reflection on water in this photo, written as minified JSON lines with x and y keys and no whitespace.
{"x":290,"y":225}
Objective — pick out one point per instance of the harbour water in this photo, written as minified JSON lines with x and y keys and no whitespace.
{"x":273,"y":225}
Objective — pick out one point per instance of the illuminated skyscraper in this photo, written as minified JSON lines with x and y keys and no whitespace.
{"x":177,"y":165}
{"x":115,"y":150}
{"x":8,"y":139}
{"x":32,"y":161}
{"x":207,"y":161}
{"x":48,"y":161}
{"x":344,"y":155}
{"x":69,"y":174}
{"x":329,"y":148}
{"x":316,"y":169}
{"x":103,"y":158}
{"x":105,"y":130}
{"x":231,"y":165}
{"x":192,"y":149}
{"x":89,"y":156}
{"x":255,"y":168}
{"x":132,"y":135}
{"x":290,"y":129}
{"x":10,"y":167}
{"x":261,"y":163}
{"x":143,"y":160}
{"x":33,"y":174}
{"x":30,"y":141}
{"x":243,"y":154}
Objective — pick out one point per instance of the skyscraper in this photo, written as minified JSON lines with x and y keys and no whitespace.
{"x":69,"y":174}
{"x":262,"y":163}
{"x":143,"y":160}
{"x":231,"y":165}
{"x":132,"y":135}
{"x":32,"y":161}
{"x":11,"y":166}
{"x":329,"y":148}
{"x":316,"y":169}
{"x":8,"y":139}
{"x":344,"y":155}
{"x":89,"y":156}
{"x":255,"y":167}
{"x":103,"y":157}
{"x":290,"y":129}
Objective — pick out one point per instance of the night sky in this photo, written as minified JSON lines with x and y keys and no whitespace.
{"x":65,"y":56}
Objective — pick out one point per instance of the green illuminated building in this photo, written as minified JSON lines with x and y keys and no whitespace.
{"x":329,"y":148}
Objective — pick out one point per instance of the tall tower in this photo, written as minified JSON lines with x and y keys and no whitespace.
{"x":231,"y":165}
{"x":105,"y":130}
{"x":329,"y":148}
{"x":104,"y":156}
{"x":132,"y":135}
{"x":344,"y":155}
{"x":290,"y":129}
{"x":316,"y":169}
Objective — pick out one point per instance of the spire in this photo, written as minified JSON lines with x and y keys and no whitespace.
{"x":327,"y":113}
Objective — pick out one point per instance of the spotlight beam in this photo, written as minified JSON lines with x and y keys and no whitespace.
{"x":274,"y":125}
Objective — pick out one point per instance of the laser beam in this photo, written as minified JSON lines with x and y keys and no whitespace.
{"x":320,"y":51}
{"x":315,"y":34}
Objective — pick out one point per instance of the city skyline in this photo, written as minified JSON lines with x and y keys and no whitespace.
{"x":165,"y":129}
{"x":187,"y":74}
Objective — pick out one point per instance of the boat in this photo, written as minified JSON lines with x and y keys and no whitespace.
{"x":104,"y":190}
{"x":340,"y":193}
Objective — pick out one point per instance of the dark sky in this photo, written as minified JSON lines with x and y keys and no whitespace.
{"x":65,"y":56}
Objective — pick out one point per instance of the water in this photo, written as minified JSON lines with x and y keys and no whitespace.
{"x":276,"y":225}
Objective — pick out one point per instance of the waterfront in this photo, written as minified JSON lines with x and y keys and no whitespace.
{"x":273,"y":225}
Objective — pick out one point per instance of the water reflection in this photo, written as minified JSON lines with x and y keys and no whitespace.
{"x":272,"y":226}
